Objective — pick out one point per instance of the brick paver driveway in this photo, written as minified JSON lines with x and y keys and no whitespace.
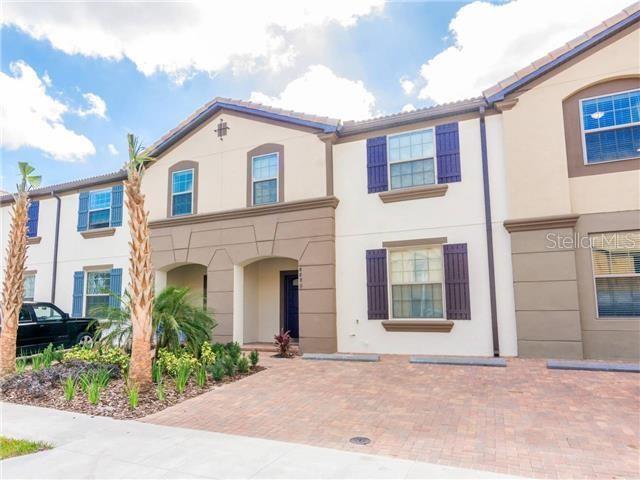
{"x":523,"y":419}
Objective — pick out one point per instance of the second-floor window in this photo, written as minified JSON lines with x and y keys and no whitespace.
{"x":611,"y":127}
{"x":411,"y":159}
{"x":264,"y":179}
{"x":182,"y":192}
{"x":100,"y":208}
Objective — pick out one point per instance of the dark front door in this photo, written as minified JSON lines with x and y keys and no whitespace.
{"x":290,"y":303}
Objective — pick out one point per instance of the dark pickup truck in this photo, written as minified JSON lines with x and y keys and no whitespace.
{"x":43,"y":323}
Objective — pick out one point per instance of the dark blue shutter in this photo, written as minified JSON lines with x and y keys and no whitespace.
{"x":377,"y":302}
{"x":83,"y":211}
{"x":456,"y":279}
{"x":377,"y":164}
{"x":115,"y":286}
{"x":32,"y":223}
{"x":78,"y":286}
{"x":116,"y":206}
{"x":448,"y":153}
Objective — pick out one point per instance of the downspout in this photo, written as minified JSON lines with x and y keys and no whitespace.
{"x":489,"y":233}
{"x":54,"y":274}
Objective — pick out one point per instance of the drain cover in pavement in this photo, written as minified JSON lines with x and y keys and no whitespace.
{"x":360,"y":440}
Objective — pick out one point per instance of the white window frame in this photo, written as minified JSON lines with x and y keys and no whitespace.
{"x":435,"y":158}
{"x":86,"y":293}
{"x":595,"y":276}
{"x":276,"y":178}
{"x":89,"y":209}
{"x":390,"y":283}
{"x":584,"y":132}
{"x":30,"y":299}
{"x":193,"y":179}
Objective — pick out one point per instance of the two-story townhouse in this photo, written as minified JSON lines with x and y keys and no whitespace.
{"x":571,"y":132}
{"x":78,"y":243}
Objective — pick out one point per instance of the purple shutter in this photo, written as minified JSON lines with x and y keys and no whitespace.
{"x":448,"y":153}
{"x":33,"y":214}
{"x":377,"y":164}
{"x":456,"y":279}
{"x":377,"y":303}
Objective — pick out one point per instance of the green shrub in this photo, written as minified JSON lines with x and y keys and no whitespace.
{"x":93,"y":392}
{"x":217,"y":371}
{"x":254,"y":358}
{"x":156,"y":371}
{"x":58,"y":353}
{"x":182,"y":377}
{"x":160,"y":391}
{"x":243,"y":364}
{"x":21,"y":365}
{"x":207,"y":355}
{"x":48,"y":356}
{"x":172,"y":362}
{"x":69,"y":388}
{"x":99,"y":377}
{"x":201,"y":376}
{"x":234,"y":351}
{"x":132,"y":395}
{"x":219,"y":349}
{"x":229,"y":366}
{"x":37,"y":362}
{"x":100,"y":354}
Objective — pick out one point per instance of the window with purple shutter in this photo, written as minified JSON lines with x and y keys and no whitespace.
{"x":448,"y":153}
{"x":33,"y":214}
{"x":456,"y":279}
{"x":377,"y":164}
{"x":377,"y":302}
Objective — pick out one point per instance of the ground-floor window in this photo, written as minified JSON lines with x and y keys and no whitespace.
{"x":29,"y":287}
{"x":616,"y":269}
{"x":416,"y":282}
{"x":97,"y":292}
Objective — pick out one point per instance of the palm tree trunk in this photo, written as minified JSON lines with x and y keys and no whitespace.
{"x":13,"y":286}
{"x":141,"y":273}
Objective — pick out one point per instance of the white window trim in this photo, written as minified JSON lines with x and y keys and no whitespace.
{"x":583,"y":132}
{"x":85,"y":288}
{"x":276,"y":178}
{"x":390,"y":283}
{"x":435,"y":157}
{"x":595,"y":276}
{"x":89,"y":210}
{"x":193,"y":178}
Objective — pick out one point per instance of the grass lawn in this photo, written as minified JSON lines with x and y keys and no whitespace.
{"x":11,"y":447}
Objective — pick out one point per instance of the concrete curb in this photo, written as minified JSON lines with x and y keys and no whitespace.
{"x":342,"y":357}
{"x":593,"y":366}
{"x":470,"y":361}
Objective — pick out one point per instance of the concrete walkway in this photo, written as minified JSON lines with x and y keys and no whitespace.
{"x":97,"y":447}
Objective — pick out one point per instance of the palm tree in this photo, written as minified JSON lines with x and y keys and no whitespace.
{"x":140,"y":268}
{"x":13,"y":286}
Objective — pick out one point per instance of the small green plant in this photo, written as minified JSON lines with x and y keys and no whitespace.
{"x":21,"y":365}
{"x":207,"y":355}
{"x":160,"y":393}
{"x":99,"y":377}
{"x":243,"y":364}
{"x":234,"y":351}
{"x":37,"y":362}
{"x":132,"y":395}
{"x":102,"y":377}
{"x":58,"y":353}
{"x":69,"y":388}
{"x":171,"y":362}
{"x":217,"y":371}
{"x":48,"y":356}
{"x":100,"y":354}
{"x":93,"y":392}
{"x":254,"y":358}
{"x":201,"y":376}
{"x":229,"y":366}
{"x":156,"y":371}
{"x":182,"y":377}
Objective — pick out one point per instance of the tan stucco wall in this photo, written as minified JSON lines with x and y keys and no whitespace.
{"x":191,"y":276}
{"x":535,"y":145}
{"x":611,"y":192}
{"x":223,"y":164}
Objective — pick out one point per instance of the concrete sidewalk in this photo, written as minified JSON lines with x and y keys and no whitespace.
{"x":98,"y":447}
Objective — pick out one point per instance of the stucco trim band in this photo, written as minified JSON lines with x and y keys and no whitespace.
{"x":261,"y":210}
{"x":413,"y":193}
{"x":33,"y":240}
{"x":415,"y":242}
{"x":541,"y":223}
{"x":100,"y":232}
{"x":441,"y":326}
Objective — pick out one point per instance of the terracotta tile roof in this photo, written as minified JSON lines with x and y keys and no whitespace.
{"x":544,"y":61}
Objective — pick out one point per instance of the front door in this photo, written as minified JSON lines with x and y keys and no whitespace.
{"x":289,"y":305}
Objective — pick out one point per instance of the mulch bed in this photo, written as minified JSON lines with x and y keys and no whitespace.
{"x":113,"y":399}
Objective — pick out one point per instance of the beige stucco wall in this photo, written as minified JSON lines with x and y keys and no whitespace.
{"x":191,"y":276}
{"x":535,"y":146}
{"x":223,"y":164}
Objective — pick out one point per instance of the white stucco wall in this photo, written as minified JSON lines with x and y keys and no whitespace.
{"x":363,"y":222}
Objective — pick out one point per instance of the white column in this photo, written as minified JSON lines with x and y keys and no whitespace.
{"x":238,"y":303}
{"x":160,"y":280}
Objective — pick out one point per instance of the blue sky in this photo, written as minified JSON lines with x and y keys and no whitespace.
{"x":348,"y":63}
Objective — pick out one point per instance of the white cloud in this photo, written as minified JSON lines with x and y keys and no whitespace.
{"x":407,"y":85}
{"x":180,"y":38}
{"x":96,"y":106}
{"x":408,"y":108}
{"x":321,"y":92}
{"x":31,"y":118}
{"x":112,"y":149}
{"x":491,"y":41}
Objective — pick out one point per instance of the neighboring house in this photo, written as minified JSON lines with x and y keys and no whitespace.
{"x":571,"y":128}
{"x":78,"y":243}
{"x":426,"y":232}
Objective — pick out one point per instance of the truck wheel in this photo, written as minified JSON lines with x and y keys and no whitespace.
{"x":85,"y":339}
